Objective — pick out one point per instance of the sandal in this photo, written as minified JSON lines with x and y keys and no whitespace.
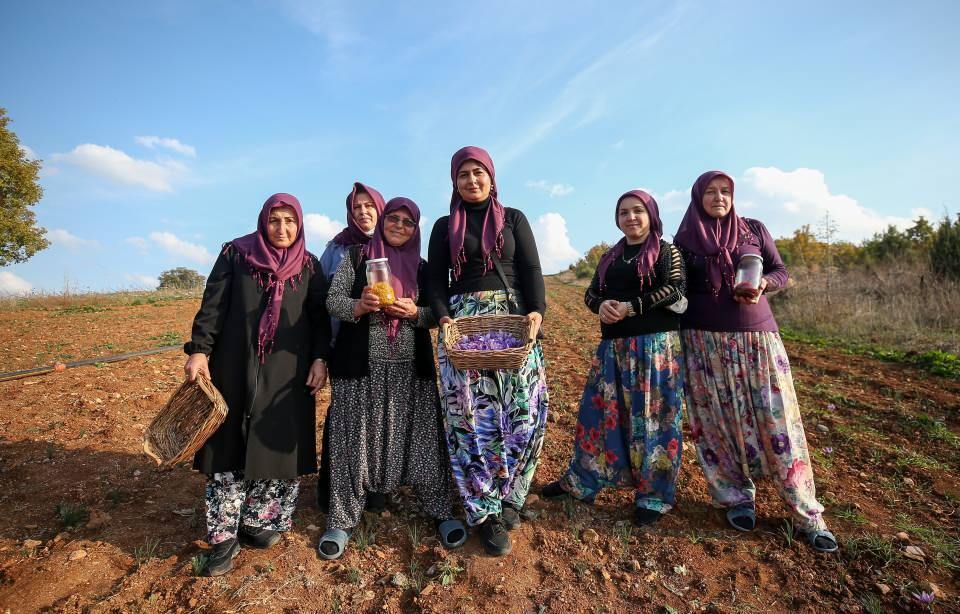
{"x":335,"y":541}
{"x":742,"y":517}
{"x":452,"y":532}
{"x":821,"y":541}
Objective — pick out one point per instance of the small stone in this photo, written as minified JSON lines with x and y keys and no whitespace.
{"x":59,"y":537}
{"x":368,"y":596}
{"x":30,"y":544}
{"x":399,"y":580}
{"x":193,"y":602}
{"x":201,"y":544}
{"x":136,"y":473}
{"x":908,"y":482}
{"x":936,"y":590}
{"x":863,"y":476}
{"x":28,"y":526}
{"x":98,"y":519}
{"x":883,"y":588}
{"x":823,"y":428}
{"x":498,"y":589}
{"x":903,"y":536}
{"x":915,"y":553}
{"x":312,"y":527}
{"x":427,"y":590}
{"x":634,"y":565}
{"x":532,"y":500}
{"x":589,"y":536}
{"x":605,"y":574}
{"x":76,"y":555}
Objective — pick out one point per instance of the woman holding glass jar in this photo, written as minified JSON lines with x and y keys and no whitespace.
{"x":743,"y":411}
{"x":384,"y":419}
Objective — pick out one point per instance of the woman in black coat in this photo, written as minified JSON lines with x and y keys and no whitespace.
{"x":261,"y":335}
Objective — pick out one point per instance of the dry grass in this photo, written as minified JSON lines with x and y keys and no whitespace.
{"x":899,"y":306}
{"x":93,"y":301}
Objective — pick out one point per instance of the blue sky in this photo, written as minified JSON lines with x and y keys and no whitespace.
{"x":163,"y":126}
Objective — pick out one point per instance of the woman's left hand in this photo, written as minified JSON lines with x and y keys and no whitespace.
{"x":752,"y":299}
{"x":317,"y":377}
{"x":536,"y":319}
{"x":403,"y":308}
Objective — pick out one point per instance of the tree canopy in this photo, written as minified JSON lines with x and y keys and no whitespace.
{"x":20,"y":237}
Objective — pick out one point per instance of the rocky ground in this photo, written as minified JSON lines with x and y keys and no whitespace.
{"x":88,"y":523}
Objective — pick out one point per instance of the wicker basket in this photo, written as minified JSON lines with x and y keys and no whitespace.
{"x":513,"y":358}
{"x":192,"y":414}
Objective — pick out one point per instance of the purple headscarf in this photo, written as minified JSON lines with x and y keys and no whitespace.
{"x":649,"y":251}
{"x":492,"y":236}
{"x":352,"y":235}
{"x":712,"y":238}
{"x":404,"y":260}
{"x":273,"y":266}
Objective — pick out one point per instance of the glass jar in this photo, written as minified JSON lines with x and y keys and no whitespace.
{"x":378,"y":278}
{"x":749,"y":272}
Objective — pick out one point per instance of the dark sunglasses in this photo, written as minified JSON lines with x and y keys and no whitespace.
{"x":405,"y":221}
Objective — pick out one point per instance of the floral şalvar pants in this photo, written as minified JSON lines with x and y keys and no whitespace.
{"x":628,"y":426}
{"x":745,"y":420}
{"x":232,"y":501}
{"x":494,"y":420}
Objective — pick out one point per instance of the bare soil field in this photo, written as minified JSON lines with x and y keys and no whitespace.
{"x":89,"y":524}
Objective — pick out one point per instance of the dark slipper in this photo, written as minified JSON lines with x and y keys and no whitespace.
{"x":643,"y":517}
{"x":332,"y":544}
{"x":553,"y":490}
{"x":742,"y":517}
{"x":452,"y":532}
{"x":821,"y":541}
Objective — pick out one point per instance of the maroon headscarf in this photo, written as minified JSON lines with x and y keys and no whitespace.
{"x":352,"y":235}
{"x":492,"y":236}
{"x":404,"y":260}
{"x":649,"y":251}
{"x":712,"y":238}
{"x":273,"y":266}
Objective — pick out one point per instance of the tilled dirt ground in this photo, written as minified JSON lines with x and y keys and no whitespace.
{"x":884,"y":440}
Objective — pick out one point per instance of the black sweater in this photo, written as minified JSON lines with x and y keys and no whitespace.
{"x":665,"y":287}
{"x":519,"y":258}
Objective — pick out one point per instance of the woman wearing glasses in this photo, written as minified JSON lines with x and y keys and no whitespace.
{"x":495,"y":420}
{"x":385,"y":412}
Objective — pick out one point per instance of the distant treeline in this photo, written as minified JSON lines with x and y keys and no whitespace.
{"x":922,"y":243}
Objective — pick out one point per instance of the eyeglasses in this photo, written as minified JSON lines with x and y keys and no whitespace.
{"x":404,"y":221}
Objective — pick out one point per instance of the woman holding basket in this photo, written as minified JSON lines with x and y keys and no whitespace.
{"x":743,"y":410}
{"x":480,"y":256}
{"x":384,"y":421}
{"x":628,"y":426}
{"x":261,"y":335}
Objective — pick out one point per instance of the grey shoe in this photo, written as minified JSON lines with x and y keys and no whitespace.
{"x":221,"y":557}
{"x":510,"y":516}
{"x":258,"y":538}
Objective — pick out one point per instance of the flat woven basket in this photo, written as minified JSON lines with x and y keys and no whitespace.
{"x":189,"y":418}
{"x":513,"y":358}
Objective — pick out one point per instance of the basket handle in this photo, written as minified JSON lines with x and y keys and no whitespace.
{"x":445,"y":329}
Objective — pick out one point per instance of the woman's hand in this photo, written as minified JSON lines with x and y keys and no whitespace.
{"x":197,"y":363}
{"x":317,"y":376}
{"x":612,"y":311}
{"x":403,"y":308}
{"x":368,"y":303}
{"x":536,"y":319}
{"x":754,"y":297}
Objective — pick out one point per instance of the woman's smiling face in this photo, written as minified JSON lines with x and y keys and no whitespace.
{"x":473,"y":182}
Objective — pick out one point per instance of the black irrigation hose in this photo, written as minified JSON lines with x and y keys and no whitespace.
{"x":87,"y":361}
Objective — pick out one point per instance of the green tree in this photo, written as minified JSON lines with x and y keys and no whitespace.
{"x":180,"y":278}
{"x":588,"y":264}
{"x":20,"y":237}
{"x":945,"y":249}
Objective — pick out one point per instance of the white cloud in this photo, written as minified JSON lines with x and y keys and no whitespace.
{"x":182,"y":249}
{"x":142,"y":245}
{"x":11,"y":285}
{"x":70,"y":241}
{"x":325,"y":18}
{"x":118,"y":166}
{"x":29,"y":152}
{"x":168,"y":143}
{"x":786,"y":200}
{"x":673,"y":200}
{"x":553,"y":243}
{"x":320,"y":228}
{"x":145,"y":282}
{"x":553,"y":189}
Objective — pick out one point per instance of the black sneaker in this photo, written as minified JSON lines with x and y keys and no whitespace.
{"x":221,"y":557}
{"x":258,"y":538}
{"x":376,"y":502}
{"x":553,"y":490}
{"x":510,"y":516}
{"x":495,"y":539}
{"x":643,"y":517}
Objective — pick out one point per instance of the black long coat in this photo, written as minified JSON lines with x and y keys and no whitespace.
{"x":270,"y":430}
